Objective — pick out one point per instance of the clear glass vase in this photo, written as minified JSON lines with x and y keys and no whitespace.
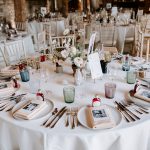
{"x":78,"y":77}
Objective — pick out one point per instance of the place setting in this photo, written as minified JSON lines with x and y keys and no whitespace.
{"x":31,"y":108}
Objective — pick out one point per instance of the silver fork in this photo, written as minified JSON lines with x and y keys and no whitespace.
{"x":76,"y":113}
{"x":73,"y":118}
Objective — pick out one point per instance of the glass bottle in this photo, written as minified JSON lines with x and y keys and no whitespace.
{"x":126,"y":63}
{"x":24,"y":73}
{"x":101,"y":52}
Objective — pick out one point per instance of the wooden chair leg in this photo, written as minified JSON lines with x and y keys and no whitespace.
{"x":147,"y":49}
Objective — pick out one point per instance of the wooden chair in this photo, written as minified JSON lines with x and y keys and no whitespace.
{"x":3,"y":61}
{"x":40,"y":44}
{"x":14,"y":51}
{"x":108,"y":36}
{"x":130,"y":39}
{"x":21,"y":26}
{"x":47,"y":29}
{"x":141,"y":38}
{"x":61,"y":41}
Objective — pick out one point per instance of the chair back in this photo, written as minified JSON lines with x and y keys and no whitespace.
{"x":2,"y":56}
{"x":21,"y":26}
{"x":14,"y":51}
{"x":108,"y":35}
{"x":47,"y":29}
{"x":96,"y":27}
{"x":139,"y":40}
{"x":28,"y":45}
{"x":61,"y":42}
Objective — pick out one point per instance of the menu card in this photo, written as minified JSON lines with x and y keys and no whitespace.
{"x":31,"y":109}
{"x":95,"y":67}
{"x":100,"y":117}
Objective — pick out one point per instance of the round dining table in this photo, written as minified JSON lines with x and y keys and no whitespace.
{"x":31,"y":135}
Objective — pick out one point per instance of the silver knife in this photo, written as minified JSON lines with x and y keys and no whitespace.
{"x":57,"y":115}
{"x":62,"y":113}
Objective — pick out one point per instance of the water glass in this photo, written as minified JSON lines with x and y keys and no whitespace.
{"x":131,"y":77}
{"x":25,"y":77}
{"x":110,"y":89}
{"x":69,"y":94}
{"x":34,"y":84}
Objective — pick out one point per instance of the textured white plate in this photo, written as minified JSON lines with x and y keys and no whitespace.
{"x":43,"y":113}
{"x":138,"y":101}
{"x":84,"y":119}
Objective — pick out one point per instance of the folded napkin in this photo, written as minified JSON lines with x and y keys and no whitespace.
{"x":30,"y":110}
{"x":100,"y":117}
{"x":10,"y":70}
{"x":143,"y":94}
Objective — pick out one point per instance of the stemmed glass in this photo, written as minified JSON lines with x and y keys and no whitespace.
{"x":112,"y":70}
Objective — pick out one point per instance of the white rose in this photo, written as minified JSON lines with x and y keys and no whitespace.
{"x":66,"y":46}
{"x":73,"y":50}
{"x":64,"y":53}
{"x":78,"y":61}
{"x":66,"y":31}
{"x":68,"y":61}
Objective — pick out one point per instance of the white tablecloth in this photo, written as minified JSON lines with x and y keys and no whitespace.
{"x":57,"y":27}
{"x":35,"y":27}
{"x":29,"y":135}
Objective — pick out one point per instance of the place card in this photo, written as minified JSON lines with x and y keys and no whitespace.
{"x":95,"y":67}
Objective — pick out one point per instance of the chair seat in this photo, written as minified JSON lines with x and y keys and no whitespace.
{"x":39,"y":47}
{"x":112,"y":50}
{"x":129,"y":39}
{"x":109,"y":43}
{"x":86,"y":41}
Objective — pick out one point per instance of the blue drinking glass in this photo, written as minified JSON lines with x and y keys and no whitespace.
{"x":25,"y":77}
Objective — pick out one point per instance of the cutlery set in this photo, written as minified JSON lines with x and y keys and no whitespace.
{"x":54,"y":118}
{"x":71,"y":117}
{"x":6,"y":104}
{"x":130,"y":115}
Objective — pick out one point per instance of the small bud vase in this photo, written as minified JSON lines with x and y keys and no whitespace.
{"x":78,"y":77}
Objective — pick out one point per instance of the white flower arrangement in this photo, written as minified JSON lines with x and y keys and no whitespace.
{"x":76,"y":56}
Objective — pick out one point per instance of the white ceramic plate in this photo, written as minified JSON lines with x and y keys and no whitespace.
{"x":84,"y":120}
{"x":44,"y":113}
{"x":8,"y":94}
{"x":7,"y":72}
{"x":138,"y":101}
